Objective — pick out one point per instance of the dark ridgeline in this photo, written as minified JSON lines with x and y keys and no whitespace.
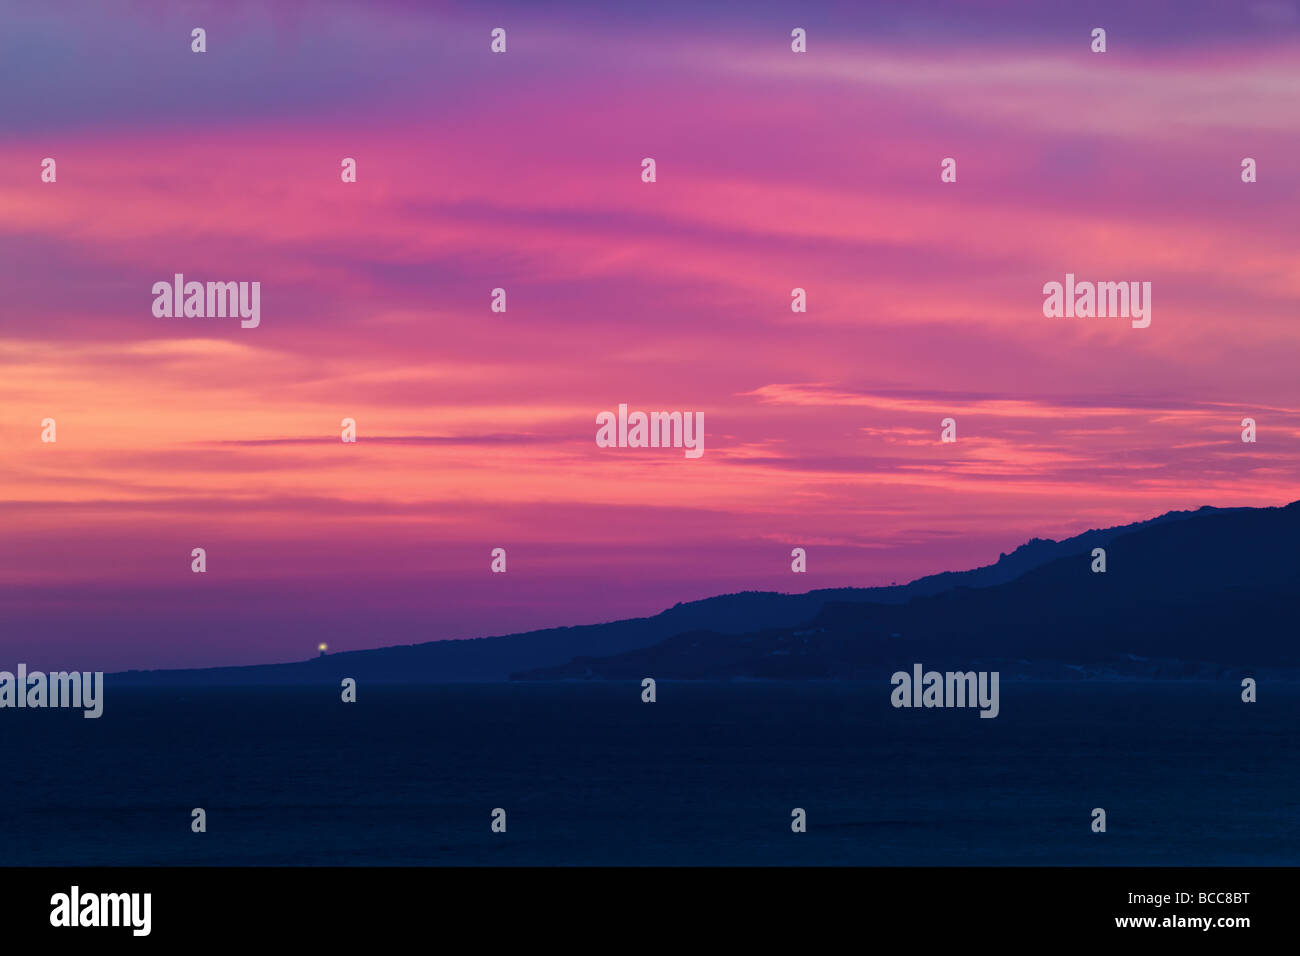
{"x":1185,"y":594}
{"x":1213,"y":595}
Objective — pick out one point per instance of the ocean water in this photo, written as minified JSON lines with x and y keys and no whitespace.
{"x":708,"y":774}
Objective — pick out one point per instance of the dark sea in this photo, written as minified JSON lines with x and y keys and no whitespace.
{"x":1187,"y":773}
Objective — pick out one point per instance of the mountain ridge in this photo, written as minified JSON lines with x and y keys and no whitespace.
{"x":499,"y":658}
{"x":1206,"y":597}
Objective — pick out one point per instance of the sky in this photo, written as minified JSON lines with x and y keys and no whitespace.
{"x":476,"y":429}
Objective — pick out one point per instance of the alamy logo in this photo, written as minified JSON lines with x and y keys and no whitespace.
{"x":103,"y":909}
{"x":192,"y":300}
{"x":57,"y":689}
{"x":1102,"y":300}
{"x":653,"y":430}
{"x":950,"y":689}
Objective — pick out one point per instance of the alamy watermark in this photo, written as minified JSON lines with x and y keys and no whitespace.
{"x":75,"y":908}
{"x":1102,"y":300}
{"x":57,"y":689}
{"x":194,"y":300}
{"x":652,"y":430}
{"x":949,"y":689}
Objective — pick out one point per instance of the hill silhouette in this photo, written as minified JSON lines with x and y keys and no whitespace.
{"x":1208,"y":596}
{"x":557,"y":651}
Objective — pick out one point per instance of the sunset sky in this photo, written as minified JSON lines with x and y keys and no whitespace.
{"x":523,"y":171}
